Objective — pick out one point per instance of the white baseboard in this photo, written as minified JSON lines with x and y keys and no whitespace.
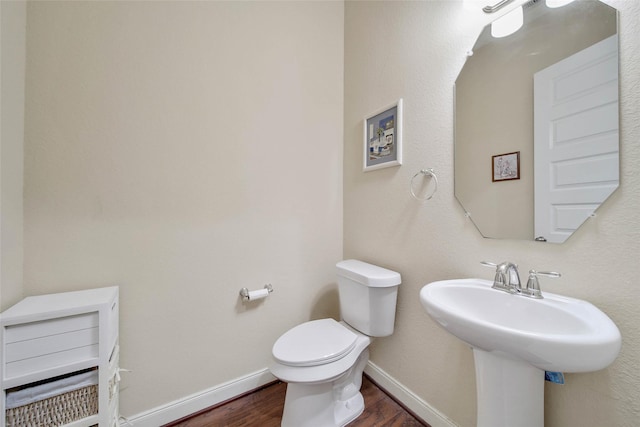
{"x":197,"y":402}
{"x":405,"y":396}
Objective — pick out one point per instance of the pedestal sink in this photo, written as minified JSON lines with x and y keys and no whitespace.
{"x":516,"y":339}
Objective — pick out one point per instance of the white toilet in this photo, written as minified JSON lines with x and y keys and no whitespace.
{"x":322,"y":360}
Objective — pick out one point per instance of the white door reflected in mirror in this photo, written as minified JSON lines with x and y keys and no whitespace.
{"x":576,"y":135}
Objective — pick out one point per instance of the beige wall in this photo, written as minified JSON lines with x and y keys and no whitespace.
{"x":184,"y":150}
{"x":12,"y":37}
{"x":415,"y":50}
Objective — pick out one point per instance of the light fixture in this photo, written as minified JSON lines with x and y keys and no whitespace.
{"x":557,"y":3}
{"x":508,"y":23}
{"x":496,"y":7}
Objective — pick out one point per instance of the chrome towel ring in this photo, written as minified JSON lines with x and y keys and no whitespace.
{"x":425,"y":172}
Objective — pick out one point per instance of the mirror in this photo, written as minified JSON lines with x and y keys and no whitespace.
{"x":536,"y":123}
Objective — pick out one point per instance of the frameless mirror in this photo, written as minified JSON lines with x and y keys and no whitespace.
{"x":536,"y":123}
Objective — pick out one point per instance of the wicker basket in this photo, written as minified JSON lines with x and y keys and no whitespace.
{"x":57,"y":410}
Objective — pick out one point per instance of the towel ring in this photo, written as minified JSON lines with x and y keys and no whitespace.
{"x":425,"y":172}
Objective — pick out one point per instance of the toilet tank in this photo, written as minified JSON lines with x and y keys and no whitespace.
{"x":368,"y":295}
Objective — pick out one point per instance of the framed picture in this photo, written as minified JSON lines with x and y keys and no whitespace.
{"x":383,"y":138}
{"x":505,"y":167}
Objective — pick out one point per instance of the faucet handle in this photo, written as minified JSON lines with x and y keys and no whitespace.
{"x":503,"y":266}
{"x":552,"y":274}
{"x":533,"y":285}
{"x":488,"y":264}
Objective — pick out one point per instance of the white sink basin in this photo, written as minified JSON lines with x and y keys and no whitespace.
{"x":556,"y":333}
{"x":515,"y":339}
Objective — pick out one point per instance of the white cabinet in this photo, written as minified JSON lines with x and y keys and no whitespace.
{"x":48,"y":337}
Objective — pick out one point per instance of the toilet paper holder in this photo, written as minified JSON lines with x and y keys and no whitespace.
{"x":249,"y":295}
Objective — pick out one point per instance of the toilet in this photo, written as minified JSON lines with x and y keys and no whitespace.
{"x":322,"y":360}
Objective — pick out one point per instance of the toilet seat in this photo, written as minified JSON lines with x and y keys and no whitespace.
{"x":314,"y":343}
{"x":325,"y":372}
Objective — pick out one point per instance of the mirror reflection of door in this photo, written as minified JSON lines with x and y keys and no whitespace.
{"x":575,"y":139}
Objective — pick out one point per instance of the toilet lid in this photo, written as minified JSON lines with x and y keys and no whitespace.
{"x":314,"y":343}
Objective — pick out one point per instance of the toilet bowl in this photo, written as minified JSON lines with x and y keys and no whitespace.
{"x":322,"y":361}
{"x":323,"y":386}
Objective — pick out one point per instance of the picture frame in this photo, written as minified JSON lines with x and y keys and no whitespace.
{"x":383,"y":138}
{"x":505,"y":167}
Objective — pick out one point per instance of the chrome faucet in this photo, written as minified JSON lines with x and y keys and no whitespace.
{"x":507,"y":276}
{"x":508,"y":279}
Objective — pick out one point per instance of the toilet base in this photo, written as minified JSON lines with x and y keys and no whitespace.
{"x":332,"y":404}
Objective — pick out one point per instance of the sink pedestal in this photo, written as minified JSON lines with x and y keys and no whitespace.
{"x":510,"y":391}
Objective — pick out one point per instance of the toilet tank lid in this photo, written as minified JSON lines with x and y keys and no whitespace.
{"x":368,"y":274}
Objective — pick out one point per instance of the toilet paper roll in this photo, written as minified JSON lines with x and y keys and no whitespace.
{"x":259,"y":294}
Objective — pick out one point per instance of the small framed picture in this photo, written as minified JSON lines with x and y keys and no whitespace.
{"x":383,"y":138}
{"x":505,"y":167}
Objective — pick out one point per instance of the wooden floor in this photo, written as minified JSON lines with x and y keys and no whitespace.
{"x":263,"y":408}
